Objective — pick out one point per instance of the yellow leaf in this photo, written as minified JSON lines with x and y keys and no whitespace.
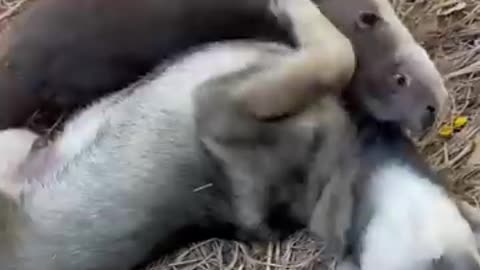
{"x":446,"y":131}
{"x":460,"y":122}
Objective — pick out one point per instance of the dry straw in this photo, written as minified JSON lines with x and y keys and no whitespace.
{"x":450,"y":30}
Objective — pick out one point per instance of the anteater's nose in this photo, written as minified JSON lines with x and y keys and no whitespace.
{"x":428,"y":117}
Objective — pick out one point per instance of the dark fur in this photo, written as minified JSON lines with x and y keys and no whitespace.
{"x":66,"y":53}
{"x":58,"y":61}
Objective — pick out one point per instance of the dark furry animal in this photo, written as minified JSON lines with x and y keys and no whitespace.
{"x":63,"y":54}
{"x":66,"y":53}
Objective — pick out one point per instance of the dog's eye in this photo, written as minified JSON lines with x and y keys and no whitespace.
{"x":401,"y":80}
{"x":368,"y":20}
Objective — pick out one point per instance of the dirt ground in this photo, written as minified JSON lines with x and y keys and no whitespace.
{"x":450,"y":30}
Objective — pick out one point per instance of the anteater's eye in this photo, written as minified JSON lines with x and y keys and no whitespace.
{"x":401,"y":80}
{"x":368,"y":20}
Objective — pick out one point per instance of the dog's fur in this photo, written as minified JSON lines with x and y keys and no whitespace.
{"x":403,"y":218}
{"x":15,"y":146}
{"x":54,"y":59}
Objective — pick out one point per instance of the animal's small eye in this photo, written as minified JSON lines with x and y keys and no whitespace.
{"x":368,"y":20}
{"x":401,"y":80}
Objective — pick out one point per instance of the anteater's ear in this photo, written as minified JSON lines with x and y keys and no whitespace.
{"x":472,"y":215}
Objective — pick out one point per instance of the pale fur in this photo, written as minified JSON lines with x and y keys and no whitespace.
{"x":15,"y":145}
{"x":128,"y":154}
{"x":414,"y":222}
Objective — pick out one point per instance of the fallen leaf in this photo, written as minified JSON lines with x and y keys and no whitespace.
{"x":446,"y":131}
{"x":460,"y":122}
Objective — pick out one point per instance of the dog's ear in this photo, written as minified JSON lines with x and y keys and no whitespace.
{"x":472,"y":215}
